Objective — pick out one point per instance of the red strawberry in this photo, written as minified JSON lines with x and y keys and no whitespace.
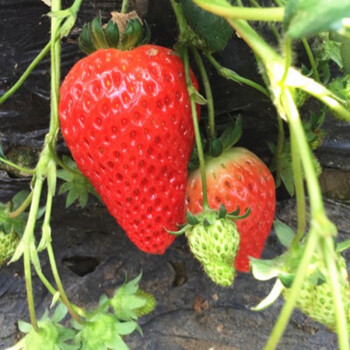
{"x":238,"y":178}
{"x":126,"y":118}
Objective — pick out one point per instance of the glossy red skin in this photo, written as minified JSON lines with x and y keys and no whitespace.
{"x":126,"y":118}
{"x":238,"y":178}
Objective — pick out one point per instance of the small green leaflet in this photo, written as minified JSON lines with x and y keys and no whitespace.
{"x":304,"y":18}
{"x":271,"y":298}
{"x":76,"y":185}
{"x":284,"y":233}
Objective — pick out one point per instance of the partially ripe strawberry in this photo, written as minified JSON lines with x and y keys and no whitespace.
{"x":214,"y":242}
{"x":126,"y":118}
{"x":238,"y":178}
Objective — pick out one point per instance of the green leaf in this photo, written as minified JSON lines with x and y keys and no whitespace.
{"x":55,"y":298}
{"x":271,"y":298}
{"x":19,"y":198}
{"x":284,"y":233}
{"x":97,"y":34}
{"x":84,"y":42}
{"x":125,"y":328}
{"x":345,"y":54}
{"x":120,"y":344}
{"x":133,"y":34}
{"x":222,"y":211}
{"x":232,"y":133}
{"x":212,"y":29}
{"x":305,"y":18}
{"x":200,"y":99}
{"x":286,"y":279}
{"x":191,"y":219}
{"x":125,"y":300}
{"x":341,"y":246}
{"x":216,"y":147}
{"x":112,"y":34}
{"x":264,"y":270}
{"x":76,"y":184}
{"x":23,"y":326}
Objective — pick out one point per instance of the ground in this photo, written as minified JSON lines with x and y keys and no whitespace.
{"x":94,"y":256}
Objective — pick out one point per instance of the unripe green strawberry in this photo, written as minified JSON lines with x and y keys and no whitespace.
{"x":316,"y":300}
{"x":150,"y":303}
{"x":8,"y":245}
{"x":214,"y":243}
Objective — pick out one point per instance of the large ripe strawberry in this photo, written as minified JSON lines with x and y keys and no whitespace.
{"x":238,"y":178}
{"x":126,"y":118}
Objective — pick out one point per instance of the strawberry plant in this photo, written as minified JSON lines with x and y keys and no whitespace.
{"x":129,"y":114}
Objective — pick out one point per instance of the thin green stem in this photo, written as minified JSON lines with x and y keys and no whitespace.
{"x":125,"y":6}
{"x":17,"y":167}
{"x":26,"y":73}
{"x":274,"y":14}
{"x":29,"y":287}
{"x":61,"y":163}
{"x":293,"y":293}
{"x":208,"y":93}
{"x":63,"y":295}
{"x":299,"y":188}
{"x":28,"y":239}
{"x":314,"y":189}
{"x":24,"y":205}
{"x":184,"y":31}
{"x":55,"y":68}
{"x":73,"y":10}
{"x":40,"y":274}
{"x":60,"y":287}
{"x":230,"y":74}
{"x":199,"y":146}
{"x":311,"y":59}
{"x":287,"y":49}
{"x":279,"y":148}
{"x":334,"y":276}
{"x":271,"y":25}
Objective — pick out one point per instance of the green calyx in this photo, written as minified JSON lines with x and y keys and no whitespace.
{"x":123,"y":31}
{"x":215,"y":147}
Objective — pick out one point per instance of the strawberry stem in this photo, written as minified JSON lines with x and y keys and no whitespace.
{"x":274,"y":14}
{"x":279,"y":150}
{"x":208,"y":93}
{"x":17,"y":167}
{"x":232,"y":75}
{"x":190,"y":89}
{"x":299,"y":188}
{"x":27,"y":72}
{"x":28,"y":241}
{"x":24,"y":205}
{"x":311,"y":59}
{"x":125,"y":6}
